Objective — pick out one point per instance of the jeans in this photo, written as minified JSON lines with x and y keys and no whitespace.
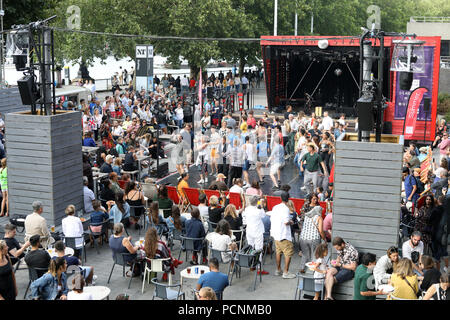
{"x":308,"y":248}
{"x":311,"y":178}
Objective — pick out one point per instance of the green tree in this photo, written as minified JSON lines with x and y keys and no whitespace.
{"x":25,"y":11}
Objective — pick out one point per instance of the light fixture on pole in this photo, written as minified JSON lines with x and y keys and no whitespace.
{"x":408,"y":58}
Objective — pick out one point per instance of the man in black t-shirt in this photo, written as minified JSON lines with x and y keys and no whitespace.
{"x":15,"y":249}
{"x":37,"y":258}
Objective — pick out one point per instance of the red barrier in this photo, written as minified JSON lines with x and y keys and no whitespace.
{"x":192,"y":195}
{"x":173,"y":195}
{"x":235,"y":198}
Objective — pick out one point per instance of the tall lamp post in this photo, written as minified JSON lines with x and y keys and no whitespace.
{"x":2,"y":67}
{"x":275,"y":18}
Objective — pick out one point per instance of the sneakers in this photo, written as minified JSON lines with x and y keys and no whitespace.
{"x":278,"y":273}
{"x":289,"y":276}
{"x":201,"y":181}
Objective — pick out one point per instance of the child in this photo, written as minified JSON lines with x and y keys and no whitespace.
{"x":320,"y":194}
{"x":320,"y":268}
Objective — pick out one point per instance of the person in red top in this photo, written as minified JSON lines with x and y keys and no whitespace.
{"x":251,"y":121}
{"x":192,"y":84}
{"x":327,"y":225}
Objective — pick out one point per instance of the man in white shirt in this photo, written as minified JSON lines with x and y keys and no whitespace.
{"x":327,"y":122}
{"x":414,"y":247}
{"x":293,"y":123}
{"x":253,"y":216}
{"x":280,"y":230}
{"x":184,"y":85}
{"x":117,"y":131}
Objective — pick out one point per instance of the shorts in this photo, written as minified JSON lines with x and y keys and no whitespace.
{"x":285,"y":247}
{"x":343,"y":275}
{"x":246,"y":165}
{"x":274,"y":168}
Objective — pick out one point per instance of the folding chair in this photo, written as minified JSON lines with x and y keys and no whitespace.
{"x":164,"y":291}
{"x":192,"y":194}
{"x":242,"y":260}
{"x":306,"y":284}
{"x":34,"y":274}
{"x":235,"y":198}
{"x":210,"y":193}
{"x":189,"y":245}
{"x":71,"y":242}
{"x":184,"y":203}
{"x":173,"y":194}
{"x":156,"y":265}
{"x":121,"y":260}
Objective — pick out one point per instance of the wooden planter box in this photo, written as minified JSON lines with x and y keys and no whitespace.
{"x":44,"y":163}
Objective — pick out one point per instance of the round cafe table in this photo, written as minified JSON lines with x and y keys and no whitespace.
{"x":67,"y":252}
{"x":192,"y":274}
{"x":98,"y":292}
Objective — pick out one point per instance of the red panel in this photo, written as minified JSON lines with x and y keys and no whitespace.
{"x":235,"y":198}
{"x":210,"y":193}
{"x":173,"y":195}
{"x":192,"y":195}
{"x":298,"y":204}
{"x":272,"y":201}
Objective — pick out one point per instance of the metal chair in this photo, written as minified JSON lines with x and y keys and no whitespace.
{"x":100,"y":234}
{"x":34,"y":274}
{"x":243,"y":260}
{"x":306,"y":284}
{"x":133,"y":215}
{"x":71,"y":242}
{"x":214,"y":253}
{"x":164,"y":291}
{"x":211,"y":226}
{"x":188,"y":244}
{"x":268,"y":243}
{"x":156,"y":265}
{"x":121,"y":260}
{"x":239,"y":234}
{"x":175,"y":234}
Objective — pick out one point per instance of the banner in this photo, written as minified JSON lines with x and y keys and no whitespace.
{"x":415,"y":98}
{"x":200,"y":91}
{"x":425,"y":166}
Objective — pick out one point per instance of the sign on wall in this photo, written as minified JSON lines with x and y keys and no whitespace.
{"x":144,"y":67}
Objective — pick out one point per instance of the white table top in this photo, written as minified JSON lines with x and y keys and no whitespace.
{"x":187,"y":215}
{"x":67,"y":252}
{"x":98,"y":292}
{"x":194,"y":275}
{"x":139,"y":243}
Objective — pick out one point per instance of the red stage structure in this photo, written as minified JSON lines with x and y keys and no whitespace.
{"x":299,"y":73}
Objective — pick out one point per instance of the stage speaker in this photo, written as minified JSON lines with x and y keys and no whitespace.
{"x":426,"y":104}
{"x":210,"y":92}
{"x":406,"y":79}
{"x":365,"y":114}
{"x":28,"y":90}
{"x":387,"y":127}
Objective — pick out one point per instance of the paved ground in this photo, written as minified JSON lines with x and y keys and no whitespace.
{"x":271,"y":287}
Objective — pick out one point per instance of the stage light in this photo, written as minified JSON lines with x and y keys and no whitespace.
{"x":408,"y":58}
{"x":323,"y":44}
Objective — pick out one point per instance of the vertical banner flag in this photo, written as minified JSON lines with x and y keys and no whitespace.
{"x":425,"y":166}
{"x":415,"y":98}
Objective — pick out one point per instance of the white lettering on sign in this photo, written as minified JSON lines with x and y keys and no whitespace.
{"x":150,"y":52}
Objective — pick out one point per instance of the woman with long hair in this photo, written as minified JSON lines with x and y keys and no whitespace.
{"x":422,"y":222}
{"x":154,"y":248}
{"x":53,"y":284}
{"x":404,"y":281}
{"x":135,"y":198}
{"x":175,"y":220}
{"x":385,"y":266}
{"x":120,"y":212}
{"x":156,"y":220}
{"x":221,"y":240}
{"x":439,"y":291}
{"x":4,"y":186}
{"x":233,"y":218}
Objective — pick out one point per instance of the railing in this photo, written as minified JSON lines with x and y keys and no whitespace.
{"x":430,"y":19}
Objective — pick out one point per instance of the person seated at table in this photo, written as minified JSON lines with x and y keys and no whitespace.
{"x":176,"y":220}
{"x":88,"y":271}
{"x":135,"y":198}
{"x":88,"y":141}
{"x":120,"y":212}
{"x":154,"y":248}
{"x":107,"y":165}
{"x":234,"y":218}
{"x":206,"y":293}
{"x":37,"y":258}
{"x":195,"y":229}
{"x":130,"y":162}
{"x":120,"y":244}
{"x":404,"y":280}
{"x":439,"y":291}
{"x":215,"y":212}
{"x":156,"y":220}
{"x":213,"y":279}
{"x":220,"y":240}
{"x":362,"y":290}
{"x":15,"y":249}
{"x":120,"y":148}
{"x":107,"y":194}
{"x":72,"y":227}
{"x":114,"y":178}
{"x":431,"y":275}
{"x":53,"y":284}
{"x":97,"y":217}
{"x":164,"y":201}
{"x":117,"y":165}
{"x":36,"y":224}
{"x":77,"y":292}
{"x":385,"y":265}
